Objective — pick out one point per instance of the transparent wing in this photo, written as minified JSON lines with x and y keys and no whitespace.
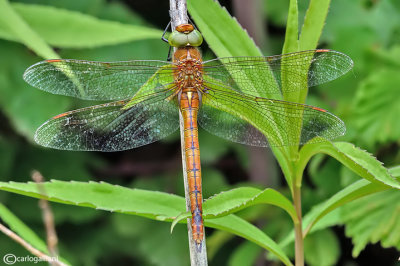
{"x":97,"y":80}
{"x":111,"y":127}
{"x":248,"y":74}
{"x":232,"y":116}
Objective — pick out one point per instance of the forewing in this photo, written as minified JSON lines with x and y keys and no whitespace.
{"x":111,"y":127}
{"x":98,"y":80}
{"x":264,"y":122}
{"x":250,"y":74}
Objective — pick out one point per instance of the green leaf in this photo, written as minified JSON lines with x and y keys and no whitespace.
{"x":103,"y":196}
{"x":326,"y":213}
{"x":321,"y":248}
{"x":356,"y":190}
{"x":240,"y":227}
{"x":313,"y":24}
{"x":18,"y":227}
{"x":357,"y":160}
{"x":150,"y":204}
{"x":237,"y":199}
{"x":377,"y":105}
{"x":78,"y":30}
{"x":292,"y":29}
{"x":222,"y":32}
{"x":373,"y":218}
{"x":17,"y":27}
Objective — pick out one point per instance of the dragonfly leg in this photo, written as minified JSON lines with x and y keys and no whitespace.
{"x":165,"y":31}
{"x":169,"y":54}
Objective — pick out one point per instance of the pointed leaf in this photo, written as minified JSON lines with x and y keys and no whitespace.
{"x":372,"y":219}
{"x":314,"y":22}
{"x":359,"y":161}
{"x":69,"y":29}
{"x":180,"y":217}
{"x":377,"y":105}
{"x":237,"y":199}
{"x":292,"y":29}
{"x":153,"y":205}
{"x":350,"y":193}
{"x":222,"y":32}
{"x":103,"y":196}
{"x":234,"y":200}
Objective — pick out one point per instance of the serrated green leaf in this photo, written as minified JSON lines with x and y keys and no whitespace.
{"x":377,"y":106}
{"x":237,"y":199}
{"x":356,"y":190}
{"x":18,"y":227}
{"x":357,"y":160}
{"x":78,"y":30}
{"x":150,"y":204}
{"x":314,"y":220}
{"x":103,"y":196}
{"x":372,"y":219}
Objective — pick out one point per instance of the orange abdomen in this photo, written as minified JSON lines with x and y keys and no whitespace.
{"x":189,"y":105}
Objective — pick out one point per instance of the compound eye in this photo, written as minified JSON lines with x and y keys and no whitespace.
{"x":178,"y":39}
{"x":195,"y":38}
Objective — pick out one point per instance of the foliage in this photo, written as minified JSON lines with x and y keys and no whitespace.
{"x":101,"y":30}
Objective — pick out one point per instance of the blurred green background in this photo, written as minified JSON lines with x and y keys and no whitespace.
{"x":367,"y":100}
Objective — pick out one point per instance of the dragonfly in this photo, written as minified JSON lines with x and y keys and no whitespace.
{"x":225,"y":96}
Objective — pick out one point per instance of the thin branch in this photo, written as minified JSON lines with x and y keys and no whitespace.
{"x":26,"y":245}
{"x":47,"y":215}
{"x":178,"y":14}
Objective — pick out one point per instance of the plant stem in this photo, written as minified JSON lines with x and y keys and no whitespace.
{"x":48,"y":217}
{"x":178,"y":14}
{"x":299,"y":243}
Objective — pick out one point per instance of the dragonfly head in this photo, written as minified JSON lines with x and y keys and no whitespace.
{"x":185,"y":35}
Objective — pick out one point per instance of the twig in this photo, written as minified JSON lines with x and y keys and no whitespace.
{"x":47,"y":215}
{"x":26,"y":245}
{"x":178,"y":14}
